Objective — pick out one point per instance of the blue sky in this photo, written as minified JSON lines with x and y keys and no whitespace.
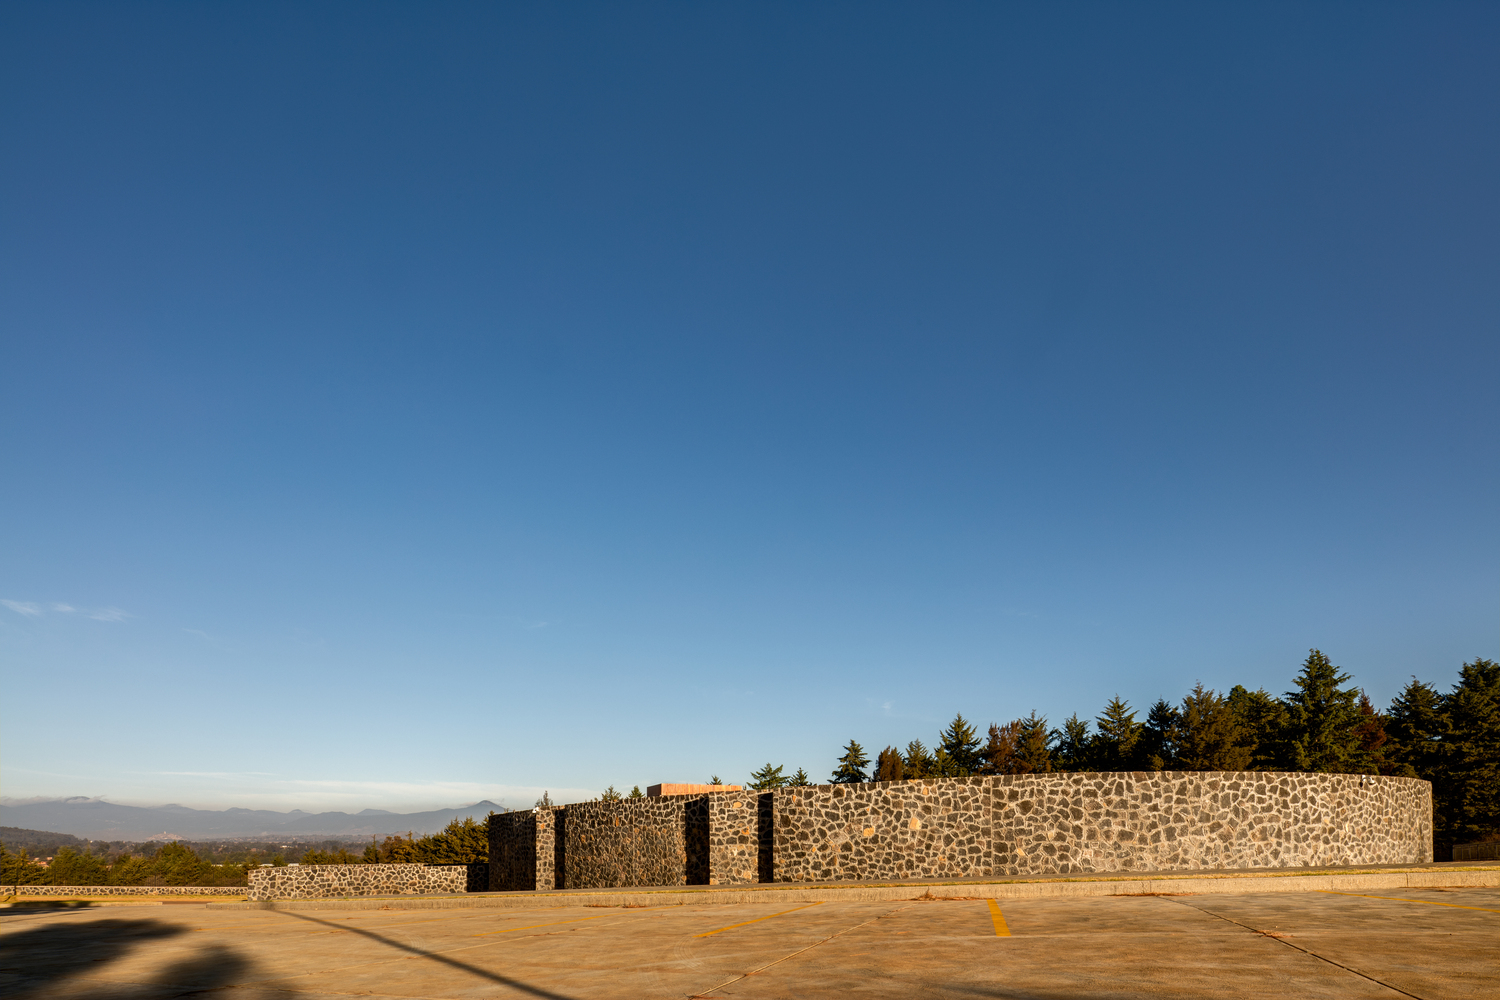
{"x":407,"y":404}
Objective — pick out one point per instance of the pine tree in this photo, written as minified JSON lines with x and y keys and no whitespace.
{"x":372,"y":853}
{"x":610,"y":795}
{"x":1374,"y":742}
{"x":1470,"y":778}
{"x":889,"y":766}
{"x":1072,"y":742}
{"x":635,"y":792}
{"x":1210,"y":736}
{"x":799,"y":780}
{"x":851,"y":769}
{"x":1322,"y":718}
{"x":545,"y":802}
{"x":1418,"y":727}
{"x":961,"y":744}
{"x":1157,"y":748}
{"x":767,"y":778}
{"x":1264,"y":720}
{"x":1036,"y":740}
{"x":918,"y":762}
{"x":1118,"y":735}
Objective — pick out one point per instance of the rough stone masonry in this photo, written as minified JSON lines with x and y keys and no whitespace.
{"x":969,"y":828}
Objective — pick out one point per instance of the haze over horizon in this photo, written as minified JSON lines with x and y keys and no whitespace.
{"x":409,"y":405}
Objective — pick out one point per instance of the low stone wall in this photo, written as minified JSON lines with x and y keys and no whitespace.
{"x":325,"y":881}
{"x":124,"y":890}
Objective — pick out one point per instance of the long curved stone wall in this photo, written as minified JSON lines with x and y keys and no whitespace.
{"x":1055,"y":824}
{"x":1045,"y":824}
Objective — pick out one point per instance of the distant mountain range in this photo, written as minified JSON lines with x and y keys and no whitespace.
{"x":95,"y":819}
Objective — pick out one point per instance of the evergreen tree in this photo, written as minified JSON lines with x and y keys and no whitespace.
{"x":1210,"y":736}
{"x":767,"y":778}
{"x":851,"y":769}
{"x":1418,"y":728}
{"x":1157,"y":748}
{"x":1322,"y":718}
{"x":1469,"y":783}
{"x":372,"y":853}
{"x":545,"y":802}
{"x":1036,"y":740}
{"x":1117,"y":738}
{"x":961,"y":744}
{"x":70,"y":867}
{"x":1264,"y":720}
{"x":1374,"y":742}
{"x":1072,"y":742}
{"x":799,"y":780}
{"x":889,"y":766}
{"x":610,"y":795}
{"x":635,"y":792}
{"x":918,"y":762}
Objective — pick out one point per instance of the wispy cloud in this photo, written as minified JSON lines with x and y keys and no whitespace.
{"x":33,"y":610}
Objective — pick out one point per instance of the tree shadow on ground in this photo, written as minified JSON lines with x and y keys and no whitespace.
{"x":56,"y":959}
{"x":452,"y":963}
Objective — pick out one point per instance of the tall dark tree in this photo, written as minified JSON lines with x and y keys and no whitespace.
{"x":1264,"y":719}
{"x":1157,"y":748}
{"x":1375,"y":745}
{"x":1036,"y":743}
{"x":1322,"y":717}
{"x":851,"y":769}
{"x":1072,"y":744}
{"x":918,"y":761}
{"x":1115,"y":743}
{"x":1418,"y":727}
{"x":1210,"y":736}
{"x":961,"y":743}
{"x":889,"y":766}
{"x":1470,"y":778}
{"x":799,"y":779}
{"x":1001,"y":753}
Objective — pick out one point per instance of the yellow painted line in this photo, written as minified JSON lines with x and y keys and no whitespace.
{"x":1001,"y":930}
{"x":757,"y":920}
{"x":1404,"y":899}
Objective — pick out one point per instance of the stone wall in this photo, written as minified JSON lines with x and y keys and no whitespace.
{"x":649,"y":841}
{"x":324,"y":881}
{"x":1090,"y":822}
{"x":889,"y":829}
{"x":739,"y":838}
{"x":126,"y":890}
{"x":969,"y":828}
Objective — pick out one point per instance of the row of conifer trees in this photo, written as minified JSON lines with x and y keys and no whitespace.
{"x":1323,"y":724}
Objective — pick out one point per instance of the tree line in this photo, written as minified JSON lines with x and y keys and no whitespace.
{"x":1323,"y":724}
{"x":178,"y":864}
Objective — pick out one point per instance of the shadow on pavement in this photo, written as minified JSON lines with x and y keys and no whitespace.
{"x":452,"y":963}
{"x":55,"y":952}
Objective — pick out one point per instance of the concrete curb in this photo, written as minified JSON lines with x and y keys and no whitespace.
{"x":1326,"y":881}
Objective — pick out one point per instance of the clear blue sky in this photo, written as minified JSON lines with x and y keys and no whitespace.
{"x":420,"y":402}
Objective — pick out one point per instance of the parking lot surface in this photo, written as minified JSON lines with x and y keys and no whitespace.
{"x":1425,"y":943}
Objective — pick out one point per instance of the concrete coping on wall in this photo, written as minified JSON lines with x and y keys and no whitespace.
{"x":1213,"y":882}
